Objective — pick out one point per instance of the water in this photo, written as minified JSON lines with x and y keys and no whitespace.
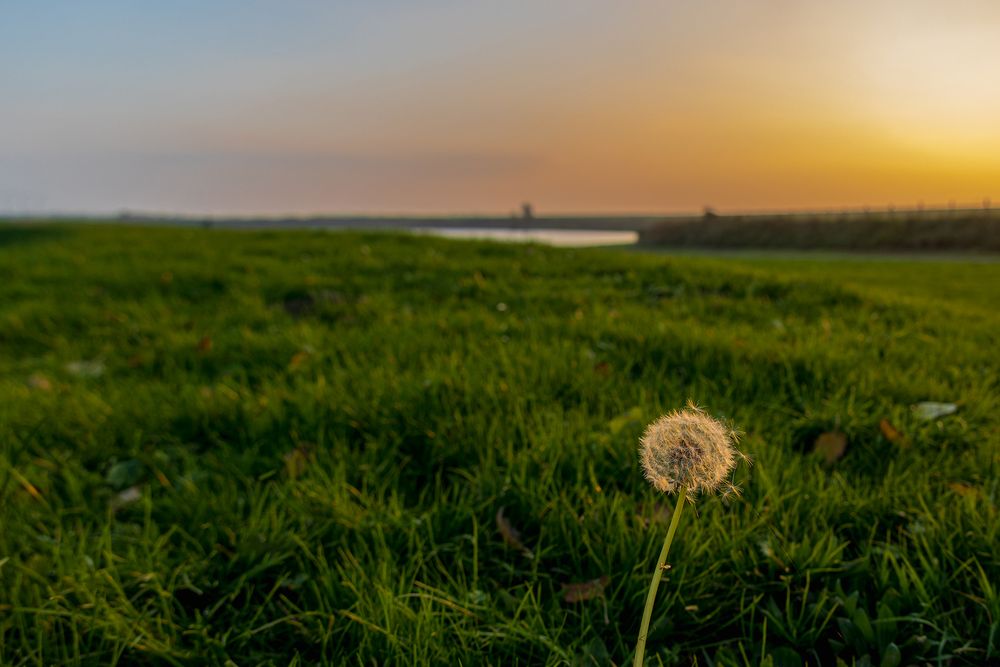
{"x":567,"y":238}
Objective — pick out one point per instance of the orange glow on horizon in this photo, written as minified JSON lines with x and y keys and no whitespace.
{"x":572,"y":106}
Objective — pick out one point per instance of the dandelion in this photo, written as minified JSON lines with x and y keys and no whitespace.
{"x":687,"y":452}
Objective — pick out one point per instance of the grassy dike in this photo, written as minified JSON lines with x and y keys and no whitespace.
{"x":344,"y":448}
{"x":962,"y":230}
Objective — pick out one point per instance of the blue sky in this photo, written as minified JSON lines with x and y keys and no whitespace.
{"x":307,"y":107}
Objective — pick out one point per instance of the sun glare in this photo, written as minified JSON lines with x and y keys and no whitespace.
{"x":935,"y":88}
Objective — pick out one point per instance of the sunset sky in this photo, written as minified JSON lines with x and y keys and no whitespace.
{"x":473,"y":107}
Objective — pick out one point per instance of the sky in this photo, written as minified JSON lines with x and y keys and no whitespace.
{"x":577,"y":106}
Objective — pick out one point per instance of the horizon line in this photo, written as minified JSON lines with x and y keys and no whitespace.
{"x":125,"y":215}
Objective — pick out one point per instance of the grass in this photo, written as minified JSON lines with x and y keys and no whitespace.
{"x":305,"y":448}
{"x":933,"y":279}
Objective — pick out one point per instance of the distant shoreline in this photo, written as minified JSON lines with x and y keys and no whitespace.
{"x":887,"y":231}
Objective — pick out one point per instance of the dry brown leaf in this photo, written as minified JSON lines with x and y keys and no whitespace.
{"x":40,"y":382}
{"x":831,"y":445}
{"x":891,"y":434}
{"x":162,"y":479}
{"x":298,"y":359}
{"x":965,"y":490}
{"x":587,"y":590}
{"x":510,"y":535}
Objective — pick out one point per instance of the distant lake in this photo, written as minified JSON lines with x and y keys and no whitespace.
{"x":569,"y":238}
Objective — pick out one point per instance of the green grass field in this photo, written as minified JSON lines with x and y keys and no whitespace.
{"x":262,"y":448}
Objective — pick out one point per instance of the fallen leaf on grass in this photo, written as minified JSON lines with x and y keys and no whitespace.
{"x":892,"y":434}
{"x":510,"y":535}
{"x":126,"y":497}
{"x":40,"y":382}
{"x":928,"y":410}
{"x":297,"y":359}
{"x":965,"y":490}
{"x":587,"y":590}
{"x":831,"y":445}
{"x":86,"y":369}
{"x":162,"y":479}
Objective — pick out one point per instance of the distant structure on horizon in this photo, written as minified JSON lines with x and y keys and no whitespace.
{"x":527,"y":212}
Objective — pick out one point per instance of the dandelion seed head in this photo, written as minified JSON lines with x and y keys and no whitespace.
{"x":689,"y":449}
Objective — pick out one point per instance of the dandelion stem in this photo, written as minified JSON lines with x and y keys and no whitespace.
{"x":661,"y":565}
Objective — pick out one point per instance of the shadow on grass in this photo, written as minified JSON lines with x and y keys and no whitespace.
{"x":12,"y":233}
